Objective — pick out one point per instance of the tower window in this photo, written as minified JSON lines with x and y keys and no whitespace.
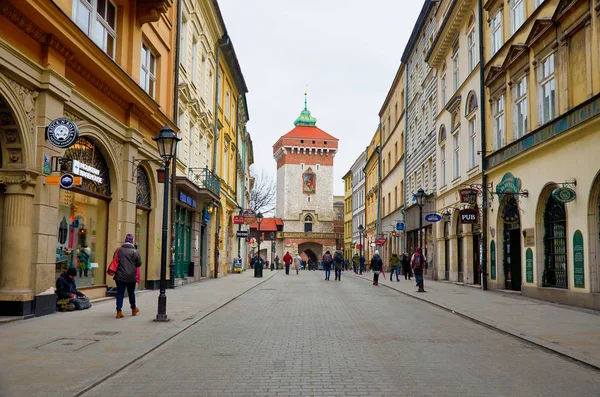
{"x":301,"y":166}
{"x":318,"y":166}
{"x":301,"y":140}
{"x":308,"y":224}
{"x":313,"y":141}
{"x":325,"y":142}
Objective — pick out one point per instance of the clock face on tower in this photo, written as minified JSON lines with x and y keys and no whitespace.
{"x":309,"y":182}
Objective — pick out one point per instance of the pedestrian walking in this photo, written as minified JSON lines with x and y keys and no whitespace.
{"x":362,"y":264}
{"x":394,"y":266}
{"x":376,"y":267}
{"x":338,"y":258}
{"x":298,"y":263}
{"x":126,"y":275}
{"x":277,"y":262}
{"x":287,"y":259}
{"x":327,"y":262}
{"x":356,"y":262}
{"x":406,"y":266}
{"x":418,"y":263}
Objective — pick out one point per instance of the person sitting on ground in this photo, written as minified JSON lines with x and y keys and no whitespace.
{"x":66,"y":289}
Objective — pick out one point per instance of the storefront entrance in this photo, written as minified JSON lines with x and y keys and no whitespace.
{"x":183,"y":241}
{"x":512,"y":245}
{"x":143,"y":201}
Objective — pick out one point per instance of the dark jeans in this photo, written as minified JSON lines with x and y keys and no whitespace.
{"x":287,"y":269}
{"x":327,"y":273}
{"x":121,"y":286}
{"x":395,"y":271}
{"x":407,"y":274}
{"x":375,"y":278}
{"x":417,"y":276}
{"x":338,"y":274}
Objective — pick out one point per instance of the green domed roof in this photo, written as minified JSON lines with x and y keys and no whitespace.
{"x":305,"y":119}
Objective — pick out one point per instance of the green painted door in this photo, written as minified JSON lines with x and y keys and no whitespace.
{"x":183,"y":236}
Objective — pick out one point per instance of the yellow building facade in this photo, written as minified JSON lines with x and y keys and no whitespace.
{"x":372,"y":181}
{"x":455,"y":59}
{"x":543,"y":83}
{"x":107,"y":67}
{"x":348,"y":246}
{"x":392,"y":165}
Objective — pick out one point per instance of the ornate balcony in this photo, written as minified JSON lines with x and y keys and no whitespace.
{"x":205,"y":179}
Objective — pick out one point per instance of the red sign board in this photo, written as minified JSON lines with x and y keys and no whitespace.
{"x":380,"y":241}
{"x":358,"y":246}
{"x":468,"y":196}
{"x":238,"y":220}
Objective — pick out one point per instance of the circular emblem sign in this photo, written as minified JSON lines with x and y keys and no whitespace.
{"x":563,"y":194}
{"x":66,"y":181}
{"x":433,"y":218}
{"x":62,"y":133}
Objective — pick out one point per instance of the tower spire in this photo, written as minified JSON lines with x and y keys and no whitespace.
{"x":305,"y":118}
{"x":305,"y":105}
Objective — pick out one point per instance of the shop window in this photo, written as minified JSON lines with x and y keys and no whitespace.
{"x":143,"y":196}
{"x":85,"y":159}
{"x":555,"y":245}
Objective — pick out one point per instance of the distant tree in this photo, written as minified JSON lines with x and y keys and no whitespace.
{"x":263,"y":195}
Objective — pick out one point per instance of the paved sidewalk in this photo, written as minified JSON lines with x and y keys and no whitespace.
{"x":569,"y":331}
{"x":65,"y":353}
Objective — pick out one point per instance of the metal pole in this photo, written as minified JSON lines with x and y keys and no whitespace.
{"x":361,"y":254}
{"x":421,"y":281}
{"x":162,"y":297}
{"x":259,"y":264}
{"x":484,"y":196}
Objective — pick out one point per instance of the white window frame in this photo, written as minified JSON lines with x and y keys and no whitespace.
{"x":456,"y":155}
{"x":496,"y":31}
{"x":472,"y":48}
{"x":456,"y":67}
{"x":498,"y":105}
{"x":194,"y":76}
{"x":443,"y":163}
{"x":94,"y":21}
{"x":472,"y":122}
{"x":227,"y":104}
{"x":517,"y":14}
{"x":225,"y":175}
{"x":183,"y":41}
{"x":148,"y":70}
{"x":547,"y":89}
{"x":443,"y":89}
{"x":521,"y":118}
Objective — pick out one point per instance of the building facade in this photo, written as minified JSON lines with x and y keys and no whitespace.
{"x":108,"y":69}
{"x":304,"y":159}
{"x":372,"y":185}
{"x":420,"y":142}
{"x":348,"y":246}
{"x":338,"y":222}
{"x":542,"y":82}
{"x":392,"y":165}
{"x":358,"y":201}
{"x":454,"y":58}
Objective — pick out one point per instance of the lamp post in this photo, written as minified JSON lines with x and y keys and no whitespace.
{"x":420,"y":202}
{"x":360,"y":231}
{"x":167,"y":145}
{"x":272,"y":235}
{"x":258,"y":266}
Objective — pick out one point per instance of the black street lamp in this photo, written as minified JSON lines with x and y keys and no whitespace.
{"x":258,"y":266}
{"x":272,"y":235}
{"x":360,"y":231}
{"x":167,"y":145}
{"x":420,"y":202}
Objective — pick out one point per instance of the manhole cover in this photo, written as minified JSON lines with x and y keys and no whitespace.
{"x":107,"y":333}
{"x":66,"y":344}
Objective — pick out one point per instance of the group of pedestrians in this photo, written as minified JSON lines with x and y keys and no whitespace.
{"x":408,"y":266}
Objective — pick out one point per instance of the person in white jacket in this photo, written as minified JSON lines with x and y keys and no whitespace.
{"x":297,"y":263}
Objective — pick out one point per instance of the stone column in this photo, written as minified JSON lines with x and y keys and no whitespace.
{"x":16,"y":293}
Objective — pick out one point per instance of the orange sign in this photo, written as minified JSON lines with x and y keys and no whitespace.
{"x":55,"y":180}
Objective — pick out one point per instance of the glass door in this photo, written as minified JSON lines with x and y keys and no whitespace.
{"x":141,"y":239}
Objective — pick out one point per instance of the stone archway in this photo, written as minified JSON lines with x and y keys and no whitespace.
{"x":509,"y":243}
{"x":592,"y":270}
{"x":311,"y":252}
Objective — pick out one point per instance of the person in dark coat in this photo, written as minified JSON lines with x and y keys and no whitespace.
{"x":338,"y":259}
{"x":406,"y":266}
{"x":362,"y":264}
{"x":67,"y":289}
{"x":126,"y":275}
{"x":394,"y":267}
{"x":376,"y":267}
{"x":327,"y":262}
{"x":356,"y":262}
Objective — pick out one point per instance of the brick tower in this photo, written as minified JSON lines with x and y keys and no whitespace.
{"x":305,"y":188}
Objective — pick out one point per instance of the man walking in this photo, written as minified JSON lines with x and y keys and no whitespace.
{"x":287,"y":259}
{"x":418,"y":263}
{"x":338,"y":258}
{"x":298,"y":263}
{"x":327,"y":262}
{"x":356,"y":262}
{"x":394,"y":266}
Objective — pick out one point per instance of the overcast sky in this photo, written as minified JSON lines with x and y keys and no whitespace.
{"x":346,"y":51}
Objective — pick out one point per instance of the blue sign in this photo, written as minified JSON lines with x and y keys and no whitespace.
{"x":187,"y":200}
{"x":400,"y":226}
{"x":205,"y":216}
{"x":433,"y":218}
{"x":67,"y":181}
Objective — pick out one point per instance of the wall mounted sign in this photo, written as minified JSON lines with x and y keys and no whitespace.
{"x":508,"y":184}
{"x":564,"y":194}
{"x":241,"y":234}
{"x":578,"y":262}
{"x":400,"y":226}
{"x":67,"y":181}
{"x":86,"y":171}
{"x":468,"y":216}
{"x":62,"y":133}
{"x":468,"y":196}
{"x":529,"y":237}
{"x":187,"y":200}
{"x":529,"y":266}
{"x":56,"y":180}
{"x":510,"y":213}
{"x":433,"y":218}
{"x":238,"y":220}
{"x":493,"y":260}
{"x":380,"y":241}
{"x":47,"y":166}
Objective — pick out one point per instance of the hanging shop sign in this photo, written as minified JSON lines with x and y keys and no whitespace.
{"x":249,"y":216}
{"x":468,"y":196}
{"x":238,"y":220}
{"x":62,"y":133}
{"x":359,"y":246}
{"x":86,"y":171}
{"x":578,"y":272}
{"x":433,"y":218}
{"x":241,"y":234}
{"x":468,"y":216}
{"x":380,"y":241}
{"x":184,"y":198}
{"x":508,"y":184}
{"x":205,"y":216}
{"x":564,"y":194}
{"x":67,"y":181}
{"x":510,"y":213}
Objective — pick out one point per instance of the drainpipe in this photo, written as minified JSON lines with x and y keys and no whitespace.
{"x":404,"y":239}
{"x":484,"y":193}
{"x":174,"y":167}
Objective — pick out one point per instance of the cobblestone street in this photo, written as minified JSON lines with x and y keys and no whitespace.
{"x":303,"y":336}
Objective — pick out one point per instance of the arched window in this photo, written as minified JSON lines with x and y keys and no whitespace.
{"x":555,"y":245}
{"x":471,"y":103}
{"x":85,"y":153}
{"x":308,"y":223}
{"x":143,"y":196}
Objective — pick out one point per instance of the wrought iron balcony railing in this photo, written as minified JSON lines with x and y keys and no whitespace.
{"x":205,"y":179}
